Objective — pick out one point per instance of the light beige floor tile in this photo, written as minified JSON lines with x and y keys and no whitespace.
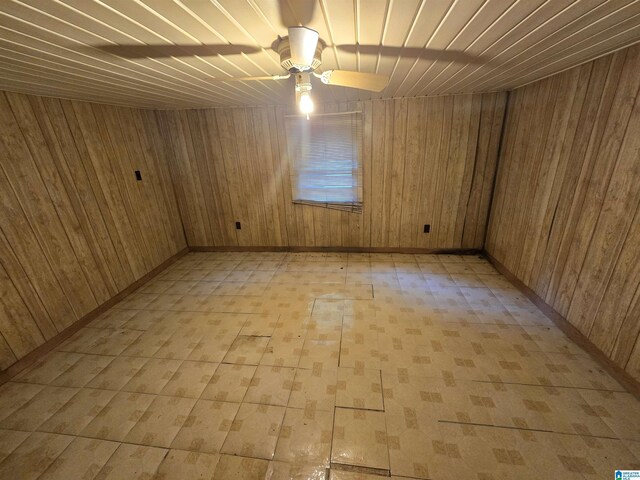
{"x":145,"y":320}
{"x":114,"y":318}
{"x":360,"y":439}
{"x":608,"y":407}
{"x":217,"y":323}
{"x":240,"y":289}
{"x":119,"y":416}
{"x":170,"y":275}
{"x":229,"y":383}
{"x":82,"y":459}
{"x":14,"y":395}
{"x":260,"y":325}
{"x":324,"y":306}
{"x":118,"y":373}
{"x":270,"y":385}
{"x":212,"y":347}
{"x":325,"y":326}
{"x":291,"y":327}
{"x":594,"y":457}
{"x":166,"y":301}
{"x":199,"y":276}
{"x":410,"y":452}
{"x":158,"y":285}
{"x":38,"y":409}
{"x":356,"y":277}
{"x":180,"y":287}
{"x":322,"y":352}
{"x":180,"y":464}
{"x":289,"y":471}
{"x":284,"y":351}
{"x":114,"y":343}
{"x":180,"y":345}
{"x":9,"y":441}
{"x":412,"y":443}
{"x":458,"y":268}
{"x":260,"y":276}
{"x":83,"y":371}
{"x":161,"y":422}
{"x":49,"y":367}
{"x":315,"y":388}
{"x":204,"y":288}
{"x":347,"y":475}
{"x":360,"y":352}
{"x":246,"y":350}
{"x":149,"y":342}
{"x":359,"y":388}
{"x":78,"y":412}
{"x":559,"y":410}
{"x":33,"y":456}
{"x":190,"y":380}
{"x":206,"y":427}
{"x":502,"y":452}
{"x":153,"y":376}
{"x":137,"y":301}
{"x":254,"y":431}
{"x":231,"y":467}
{"x":457,"y":345}
{"x":132,"y":462}
{"x":550,"y":339}
{"x":305,"y":437}
{"x":83,"y":339}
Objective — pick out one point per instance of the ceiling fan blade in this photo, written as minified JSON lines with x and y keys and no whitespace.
{"x":413,"y":52}
{"x":302,"y":43}
{"x":250,"y":79}
{"x":364,"y":81}
{"x":163,"y":51}
{"x":296,"y":12}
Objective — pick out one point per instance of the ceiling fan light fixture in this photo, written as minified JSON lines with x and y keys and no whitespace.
{"x":305,"y":104}
{"x":302,"y":43}
{"x":325,"y":77}
{"x":303,"y":93}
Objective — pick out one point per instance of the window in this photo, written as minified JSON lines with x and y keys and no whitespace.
{"x":326,"y":160}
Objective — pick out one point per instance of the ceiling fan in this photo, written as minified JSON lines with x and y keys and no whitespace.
{"x":300,"y":55}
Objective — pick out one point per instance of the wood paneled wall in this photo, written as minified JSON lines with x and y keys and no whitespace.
{"x":426,"y":161}
{"x":566,"y":212}
{"x":76,"y":227}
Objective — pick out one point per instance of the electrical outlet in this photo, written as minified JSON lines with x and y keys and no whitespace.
{"x":238,"y":226}
{"x":427,"y":228}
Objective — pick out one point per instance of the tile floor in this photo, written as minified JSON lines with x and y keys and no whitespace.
{"x":319,"y":366}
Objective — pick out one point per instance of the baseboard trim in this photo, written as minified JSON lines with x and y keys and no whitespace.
{"x":293,"y":248}
{"x":627,"y":381}
{"x":53,"y":342}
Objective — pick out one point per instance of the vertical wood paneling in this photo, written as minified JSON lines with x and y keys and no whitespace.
{"x":413,"y":172}
{"x":567,"y":199}
{"x":425,"y":160}
{"x":26,"y":180}
{"x":18,"y":337}
{"x":76,"y":227}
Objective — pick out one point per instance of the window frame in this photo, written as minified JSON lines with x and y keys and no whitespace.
{"x":354,"y":205}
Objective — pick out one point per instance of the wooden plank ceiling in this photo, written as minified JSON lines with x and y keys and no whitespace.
{"x":427,"y":47}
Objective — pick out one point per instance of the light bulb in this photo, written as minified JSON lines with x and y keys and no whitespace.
{"x":305,"y":104}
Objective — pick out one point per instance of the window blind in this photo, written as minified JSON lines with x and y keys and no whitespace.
{"x":326,"y":160}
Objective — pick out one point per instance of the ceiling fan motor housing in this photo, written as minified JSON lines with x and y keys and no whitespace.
{"x":284,"y":50}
